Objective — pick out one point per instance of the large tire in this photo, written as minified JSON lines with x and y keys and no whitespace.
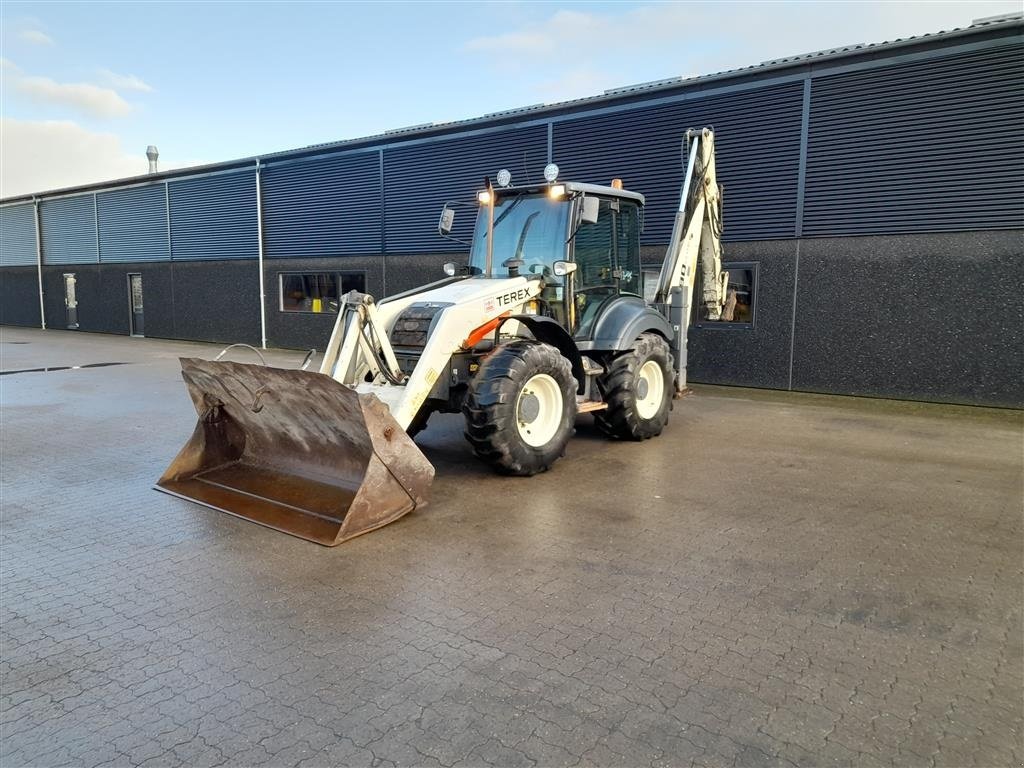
{"x":521,"y":407}
{"x":637,"y":386}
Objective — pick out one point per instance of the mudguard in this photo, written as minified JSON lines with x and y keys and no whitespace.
{"x":620,"y":324}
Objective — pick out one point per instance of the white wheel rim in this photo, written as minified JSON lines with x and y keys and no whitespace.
{"x":539,"y":410}
{"x":651,"y":381}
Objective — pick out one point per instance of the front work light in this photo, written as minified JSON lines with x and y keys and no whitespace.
{"x":484,"y":196}
{"x":558,"y":190}
{"x":504,"y":177}
{"x":550,"y":172}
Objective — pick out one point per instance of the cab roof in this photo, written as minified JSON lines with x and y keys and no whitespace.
{"x":573,"y":186}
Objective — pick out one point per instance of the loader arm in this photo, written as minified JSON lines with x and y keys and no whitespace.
{"x":360,"y":354}
{"x":696,"y":240}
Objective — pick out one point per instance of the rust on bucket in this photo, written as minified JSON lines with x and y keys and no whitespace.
{"x":295,"y":451}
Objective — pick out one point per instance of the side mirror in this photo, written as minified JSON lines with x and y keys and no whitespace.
{"x":563,"y":268}
{"x":447,"y":220}
{"x":590,"y":210}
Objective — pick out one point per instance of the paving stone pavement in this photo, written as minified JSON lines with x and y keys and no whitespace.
{"x":779,"y":579}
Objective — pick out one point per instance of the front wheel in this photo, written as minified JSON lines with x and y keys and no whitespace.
{"x":638,"y":389}
{"x":520,"y":408}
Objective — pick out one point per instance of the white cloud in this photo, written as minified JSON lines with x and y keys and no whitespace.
{"x":86,"y":98}
{"x":125,"y":82}
{"x":573,"y":84}
{"x":598,"y":50}
{"x":42,"y":155}
{"x":49,"y":154}
{"x":561,"y":29}
{"x":35,"y":36}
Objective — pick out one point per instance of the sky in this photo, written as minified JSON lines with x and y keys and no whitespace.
{"x":85,"y":87}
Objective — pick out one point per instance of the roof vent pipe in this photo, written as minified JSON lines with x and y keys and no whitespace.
{"x":152,"y":154}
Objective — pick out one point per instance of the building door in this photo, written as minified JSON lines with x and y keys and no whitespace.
{"x":135,"y":304}
{"x":70,"y":300}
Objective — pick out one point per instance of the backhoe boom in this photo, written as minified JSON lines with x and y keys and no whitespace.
{"x":696,"y":241}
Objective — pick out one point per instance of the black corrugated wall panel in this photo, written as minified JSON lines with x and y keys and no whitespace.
{"x":324,"y":207}
{"x":757,"y":138}
{"x":133,"y":224}
{"x":921,"y":147}
{"x":214,"y":217}
{"x":69,"y":230}
{"x":419,"y":180}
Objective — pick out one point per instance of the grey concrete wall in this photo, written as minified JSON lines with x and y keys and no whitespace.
{"x":406,"y":272}
{"x":385,"y":275}
{"x":757,"y":356}
{"x":935,"y":317}
{"x":215,"y":301}
{"x":19,"y":296}
{"x":197,"y":301}
{"x":301,"y":330}
{"x":922,"y":317}
{"x":93,"y":313}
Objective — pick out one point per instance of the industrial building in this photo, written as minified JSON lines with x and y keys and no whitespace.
{"x":874,"y":215}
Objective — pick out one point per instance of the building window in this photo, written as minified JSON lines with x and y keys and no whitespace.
{"x":740,"y":298}
{"x":317,"y":291}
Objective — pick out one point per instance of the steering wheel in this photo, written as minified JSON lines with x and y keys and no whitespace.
{"x":591,"y":296}
{"x":606,"y":290}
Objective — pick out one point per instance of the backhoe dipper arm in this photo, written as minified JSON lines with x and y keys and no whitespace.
{"x":696,"y":238}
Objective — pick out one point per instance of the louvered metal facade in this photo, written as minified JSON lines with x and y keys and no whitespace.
{"x":847,"y":174}
{"x":758,"y":157}
{"x":921,"y":147}
{"x":133,"y":224}
{"x":68,"y":227}
{"x":214,"y":217}
{"x":419,"y":179}
{"x":17,"y":235}
{"x":324,"y":207}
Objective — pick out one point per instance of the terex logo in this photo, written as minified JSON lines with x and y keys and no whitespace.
{"x":515,"y":297}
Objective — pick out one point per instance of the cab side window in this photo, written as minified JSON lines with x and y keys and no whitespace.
{"x":594,"y":251}
{"x":628,"y":249}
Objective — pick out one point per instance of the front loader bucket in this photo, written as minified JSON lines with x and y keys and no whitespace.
{"x":295,"y":451}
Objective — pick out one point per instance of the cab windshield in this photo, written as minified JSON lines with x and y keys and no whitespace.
{"x":533,"y":228}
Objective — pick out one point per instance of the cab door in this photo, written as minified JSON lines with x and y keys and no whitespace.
{"x":607,"y":255}
{"x":70,"y":301}
{"x":138,"y":325}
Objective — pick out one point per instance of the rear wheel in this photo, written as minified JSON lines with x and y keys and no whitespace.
{"x":520,"y":408}
{"x":638,"y":389}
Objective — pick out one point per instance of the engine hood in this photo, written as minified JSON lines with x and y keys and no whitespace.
{"x":472,"y":289}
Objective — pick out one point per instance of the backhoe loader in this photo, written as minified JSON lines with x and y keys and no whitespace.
{"x":545,"y":321}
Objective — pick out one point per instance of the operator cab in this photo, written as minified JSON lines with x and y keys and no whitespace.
{"x":583,"y":240}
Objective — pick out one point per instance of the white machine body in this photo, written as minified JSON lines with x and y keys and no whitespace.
{"x":468,"y":305}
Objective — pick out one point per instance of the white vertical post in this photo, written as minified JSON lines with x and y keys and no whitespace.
{"x":259,"y":252}
{"x":39,"y":263}
{"x":96,"y":224}
{"x":167,"y":211}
